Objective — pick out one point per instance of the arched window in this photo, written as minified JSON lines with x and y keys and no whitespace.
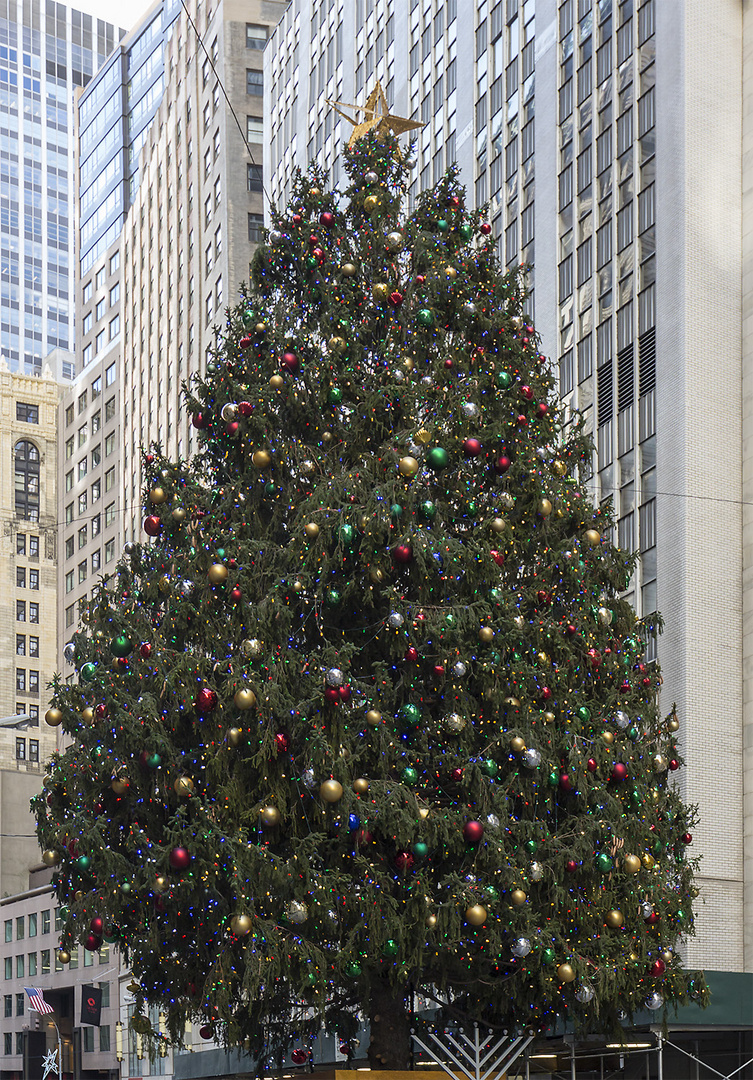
{"x":27,"y":480}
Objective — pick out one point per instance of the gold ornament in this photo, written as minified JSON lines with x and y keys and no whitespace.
{"x":277,"y":382}
{"x":423,"y":436}
{"x":315,"y":192}
{"x":336,"y":344}
{"x":64,"y":956}
{"x":241,"y":925}
{"x":614,"y":919}
{"x":260,"y":328}
{"x":157,"y":495}
{"x":261,"y":459}
{"x":217,"y":574}
{"x":311,"y":529}
{"x":371,"y":203}
{"x":517,"y":745}
{"x":298,"y":586}
{"x":408,"y":363}
{"x":631,"y":864}
{"x":633,"y":957}
{"x":659,"y":763}
{"x":648,"y":861}
{"x":376,"y":575}
{"x":87,"y":715}
{"x":549,"y":718}
{"x":498,"y":525}
{"x":667,"y":956}
{"x":507,"y":500}
{"x":607,"y":737}
{"x":327,"y":436}
{"x":361,"y":785}
{"x":408,"y":465}
{"x":559,"y":468}
{"x":380,"y":291}
{"x":545,"y":507}
{"x":119,"y":783}
{"x":179,"y":515}
{"x":331,"y":791}
{"x":78,"y":895}
{"x":511,"y":703}
{"x":593,"y":536}
{"x":164,"y":583}
{"x":476,"y":915}
{"x":565,"y":973}
{"x":270,"y":817}
{"x":673,"y":724}
{"x":53,"y":717}
{"x":235,"y":736}
{"x":160,"y":883}
{"x":518,"y":897}
{"x":244,"y":698}
{"x":423,"y":812}
{"x":50,"y":857}
{"x":431,"y":921}
{"x":373,"y":718}
{"x":486,"y":634}
{"x":348,"y":270}
{"x":450,"y":272}
{"x":184,"y":786}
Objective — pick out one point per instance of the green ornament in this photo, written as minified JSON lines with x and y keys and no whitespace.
{"x":427,"y":509}
{"x":603,"y":862}
{"x":442,"y":225}
{"x":97,"y":752}
{"x":495,"y":594}
{"x":270,"y":488}
{"x":553,"y":778}
{"x":634,"y":733}
{"x":396,"y":510}
{"x":390,"y":948}
{"x":425,"y":317}
{"x":153,"y":761}
{"x":584,"y":713}
{"x":420,"y":849}
{"x":220,"y":553}
{"x":309,"y":978}
{"x":121,"y":646}
{"x":504,"y":380}
{"x":449,"y":619}
{"x":335,"y":395}
{"x":491,"y":893}
{"x":489,"y":767}
{"x":347,"y":533}
{"x":466,"y":231}
{"x":125,"y":887}
{"x":410,"y":715}
{"x":64,"y":913}
{"x":437,"y":458}
{"x":680,"y":916}
{"x":410,"y":776}
{"x":548,"y":956}
{"x":311,"y":262}
{"x":353,"y":969}
{"x":88,"y":671}
{"x":332,"y":597}
{"x":531,"y":846}
{"x":472,"y":508}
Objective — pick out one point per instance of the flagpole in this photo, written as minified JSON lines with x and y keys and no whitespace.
{"x":60,"y":1052}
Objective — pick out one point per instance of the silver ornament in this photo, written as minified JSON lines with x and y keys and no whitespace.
{"x":519,"y":622}
{"x":307,"y":777}
{"x":371,"y":177}
{"x":647,"y":908}
{"x":307,"y":468}
{"x":427,"y":381}
{"x":469,"y":409}
{"x":395,"y":619}
{"x":536,"y":872}
{"x":251,"y":647}
{"x":394,"y":241}
{"x":129,"y":548}
{"x":605,"y":616}
{"x":459,"y":669}
{"x":517,"y":322}
{"x":185,"y":588}
{"x":492,"y":821}
{"x":654,"y":1001}
{"x":584,"y":993}
{"x":454,"y":722}
{"x":399,"y":376}
{"x":334,"y":677}
{"x":521,"y":946}
{"x":531,"y":758}
{"x":275,"y":236}
{"x":542,"y":453}
{"x":469,"y":308}
{"x":296,"y":912}
{"x":621,"y":719}
{"x":69,"y":652}
{"x":229,"y":412}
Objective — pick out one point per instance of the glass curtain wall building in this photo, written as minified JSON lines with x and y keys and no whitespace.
{"x":47,"y":50}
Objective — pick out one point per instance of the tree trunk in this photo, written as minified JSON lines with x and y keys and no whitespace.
{"x":389,"y":1047}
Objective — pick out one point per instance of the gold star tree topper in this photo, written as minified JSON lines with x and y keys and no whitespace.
{"x":376,"y":116}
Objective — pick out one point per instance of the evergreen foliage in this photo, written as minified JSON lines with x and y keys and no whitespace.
{"x":368,"y":713}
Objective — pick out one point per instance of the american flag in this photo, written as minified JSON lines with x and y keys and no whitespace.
{"x":36,"y":1000}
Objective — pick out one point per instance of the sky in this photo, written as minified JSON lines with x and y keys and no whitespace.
{"x":125,"y":13}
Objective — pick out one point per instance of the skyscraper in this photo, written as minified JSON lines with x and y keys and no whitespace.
{"x":605,"y":138}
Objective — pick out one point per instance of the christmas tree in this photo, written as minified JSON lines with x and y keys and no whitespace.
{"x":368,"y":714}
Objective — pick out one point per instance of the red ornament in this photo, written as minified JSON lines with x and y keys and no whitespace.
{"x":97,"y":925}
{"x":313,"y":240}
{"x":232,"y":428}
{"x":591,"y":765}
{"x":571,"y":866}
{"x":300,"y":1057}
{"x":206,"y":700}
{"x":403,"y":860}
{"x":541,"y":409}
{"x":595,"y":657}
{"x":657,"y":968}
{"x":456,"y":775}
{"x":619,"y":772}
{"x":522,"y":420}
{"x":411,"y":654}
{"x":471,"y":447}
{"x":498,"y":557}
{"x":101,"y":711}
{"x":653,"y":918}
{"x":571,"y":630}
{"x":542,"y":598}
{"x":92,"y":942}
{"x":565,"y":782}
{"x":199,"y":421}
{"x":674,"y":765}
{"x":282,"y":742}
{"x":455,"y":201}
{"x":245,"y":341}
{"x":502,"y":464}
{"x":396,"y":298}
{"x":473,"y":831}
{"x":363,"y":836}
{"x":485,"y":229}
{"x":245,"y":408}
{"x":146,"y":650}
{"x":687,"y":838}
{"x":326,"y":218}
{"x":344,"y":692}
{"x":526,"y":392}
{"x":318,"y":255}
{"x":290,"y":362}
{"x":439,"y":671}
{"x":152,"y":525}
{"x":235,"y":593}
{"x":149,"y":459}
{"x":403,"y":553}
{"x":546,"y":693}
{"x":332,"y":695}
{"x":420,"y":279}
{"x":297,"y":219}
{"x":448,"y":363}
{"x":180,"y":858}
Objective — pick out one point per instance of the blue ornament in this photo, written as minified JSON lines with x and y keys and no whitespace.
{"x":354,"y":822}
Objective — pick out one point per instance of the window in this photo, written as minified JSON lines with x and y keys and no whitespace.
{"x":110,"y":479}
{"x":33,"y":646}
{"x":33,"y":924}
{"x":70,"y":581}
{"x":20,"y":543}
{"x":20,"y":577}
{"x":110,"y":409}
{"x":104,"y":1037}
{"x":87,"y":292}
{"x":31,"y":961}
{"x":625,"y":226}
{"x":20,"y":645}
{"x":33,"y":547}
{"x":20,"y":679}
{"x":114,"y":328}
{"x":46,"y":955}
{"x":9,"y":1005}
{"x":109,"y":514}
{"x":82,"y":572}
{"x":96,"y":455}
{"x":26,"y":460}
{"x":255,"y":228}
{"x":109,"y":444}
{"x":83,"y":466}
{"x":20,"y":1004}
{"x":114,"y":262}
{"x":20,"y":749}
{"x":95,"y":560}
{"x":34,"y":756}
{"x":254,"y":82}
{"x":70,"y":616}
{"x":20,"y":965}
{"x":69,"y":415}
{"x":254,"y":178}
{"x":218,"y":293}
{"x":33,"y":579}
{"x":566,"y":373}
{"x":33,"y":711}
{"x":20,"y":611}
{"x":208,"y":260}
{"x":110,"y":375}
{"x":96,"y":387}
{"x":8,"y":975}
{"x":9,"y":929}
{"x":69,"y":480}
{"x":99,"y":341}
{"x":96,"y":490}
{"x":33,"y":682}
{"x":115,"y":293}
{"x":104,"y":958}
{"x":83,"y":502}
{"x":218,"y":241}
{"x":254,"y":129}
{"x":87,"y":1039}
{"x":46,"y":921}
{"x":217,"y":192}
{"x":256,"y":36}
{"x":86,"y":323}
{"x":207,"y":116}
{"x":96,"y":422}
{"x":29,"y":414}
{"x":69,"y":448}
{"x":34,"y":613}
{"x":109,"y":551}
{"x":647,"y":525}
